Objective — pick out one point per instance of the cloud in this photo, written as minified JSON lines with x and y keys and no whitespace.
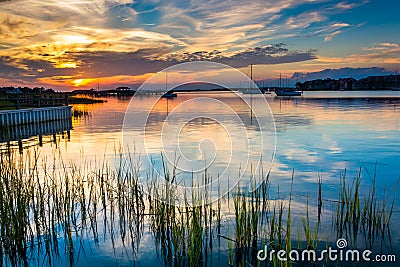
{"x":98,"y":64}
{"x":331,"y":35}
{"x":272,"y":54}
{"x":388,"y":53}
{"x":345,"y":5}
{"x":55,"y":8}
{"x":304,"y":20}
{"x":107,"y":38}
{"x":231,"y":26}
{"x":337,"y":28}
{"x":183,"y":25}
{"x":390,"y":45}
{"x":340,"y":25}
{"x":333,"y":30}
{"x":348,"y":5}
{"x":392,"y":48}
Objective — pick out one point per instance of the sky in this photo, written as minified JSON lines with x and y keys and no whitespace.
{"x":76,"y":44}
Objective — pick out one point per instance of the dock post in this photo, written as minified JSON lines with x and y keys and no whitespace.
{"x":20,"y":147}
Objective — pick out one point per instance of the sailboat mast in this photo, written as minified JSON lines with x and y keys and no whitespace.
{"x":251,"y":95}
{"x":251,"y":72}
{"x":166,"y":90}
{"x":166,"y":81}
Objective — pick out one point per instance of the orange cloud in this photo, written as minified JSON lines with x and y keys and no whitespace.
{"x":68,"y":82}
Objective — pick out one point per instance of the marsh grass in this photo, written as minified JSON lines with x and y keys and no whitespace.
{"x":79,"y":113}
{"x":367,"y":215}
{"x":42,"y":203}
{"x":48,"y":208}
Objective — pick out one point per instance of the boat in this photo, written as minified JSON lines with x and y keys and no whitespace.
{"x":252,"y":91}
{"x":396,"y":87}
{"x":169,"y":95}
{"x":288,"y":93}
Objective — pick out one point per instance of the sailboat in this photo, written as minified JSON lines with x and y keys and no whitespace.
{"x":286,"y":91}
{"x":168,"y":94}
{"x":252,"y":91}
{"x":396,"y":86}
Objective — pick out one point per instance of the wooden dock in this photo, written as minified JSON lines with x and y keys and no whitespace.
{"x":34,"y":100}
{"x":26,"y":131}
{"x":10,"y":118}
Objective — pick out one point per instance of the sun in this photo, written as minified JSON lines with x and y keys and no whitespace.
{"x":77,"y":82}
{"x":66,"y":65}
{"x":81,"y":82}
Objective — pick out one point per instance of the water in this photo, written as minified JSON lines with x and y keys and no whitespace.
{"x":316,"y":135}
{"x":319,"y":135}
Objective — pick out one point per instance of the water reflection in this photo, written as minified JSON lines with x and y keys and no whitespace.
{"x":283,"y":121}
{"x":25,"y":135}
{"x":164,"y":106}
{"x":317,"y":138}
{"x":202,"y":132}
{"x":316,"y":135}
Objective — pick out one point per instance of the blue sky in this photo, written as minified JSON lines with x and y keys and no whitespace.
{"x":78,"y":43}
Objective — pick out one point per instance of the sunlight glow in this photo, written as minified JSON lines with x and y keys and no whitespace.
{"x":66,"y":65}
{"x":81,"y":82}
{"x":67,"y":39}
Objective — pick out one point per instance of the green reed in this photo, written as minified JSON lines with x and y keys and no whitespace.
{"x":48,"y":207}
{"x":41,"y":202}
{"x":366,"y":214}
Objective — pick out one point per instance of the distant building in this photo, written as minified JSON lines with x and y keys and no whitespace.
{"x":346,"y":83}
{"x":123,"y":88}
{"x":13,"y":91}
{"x":386,"y":82}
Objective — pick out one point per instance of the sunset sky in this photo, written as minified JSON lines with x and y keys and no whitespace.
{"x":81,"y":43}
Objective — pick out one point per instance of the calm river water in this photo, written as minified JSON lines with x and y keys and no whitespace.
{"x":319,"y":135}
